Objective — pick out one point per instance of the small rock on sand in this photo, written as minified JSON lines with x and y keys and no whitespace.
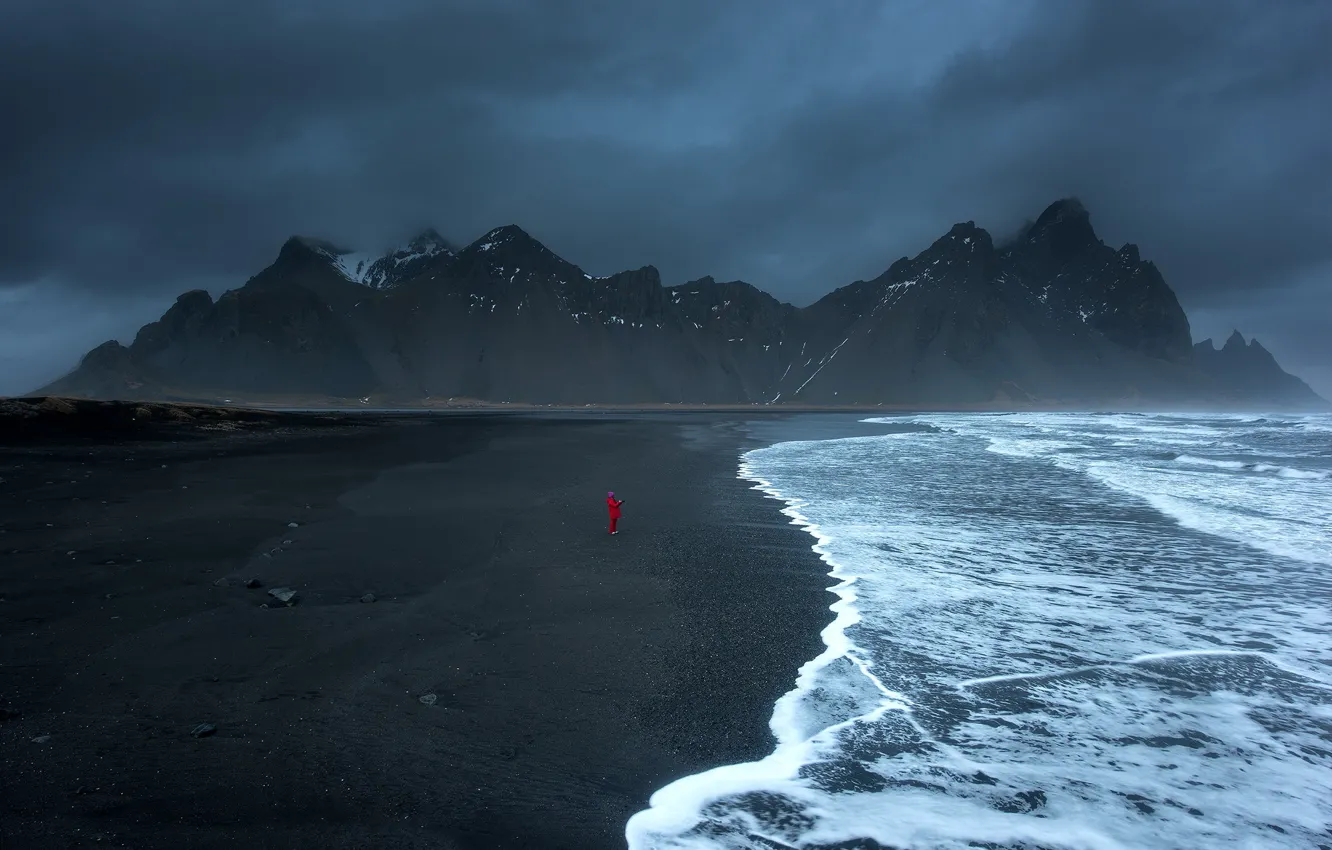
{"x":293,"y":525}
{"x":369,"y":597}
{"x":41,"y":739}
{"x":285,"y":595}
{"x":203,"y":730}
{"x":222,"y":582}
{"x":428,"y":699}
{"x":253,"y":583}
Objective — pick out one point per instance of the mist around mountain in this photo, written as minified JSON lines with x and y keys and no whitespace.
{"x":1054,"y":318}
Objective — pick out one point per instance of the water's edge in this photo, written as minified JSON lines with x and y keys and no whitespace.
{"x":1116,"y":648}
{"x":674,"y":808}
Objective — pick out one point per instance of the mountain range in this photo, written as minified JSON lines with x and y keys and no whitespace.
{"x":1053,"y":317}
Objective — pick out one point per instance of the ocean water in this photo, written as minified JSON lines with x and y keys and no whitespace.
{"x":1097,"y":632}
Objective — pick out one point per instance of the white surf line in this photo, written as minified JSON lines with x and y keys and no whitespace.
{"x":1049,"y":674}
{"x":847,"y":615}
{"x":678,"y":806}
{"x":826,"y":361}
{"x":1139,"y":659}
{"x":1280,"y":664}
{"x":1185,"y":653}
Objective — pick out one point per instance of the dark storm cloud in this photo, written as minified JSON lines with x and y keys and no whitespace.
{"x":155,"y":144}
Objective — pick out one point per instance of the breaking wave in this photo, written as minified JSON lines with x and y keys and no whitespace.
{"x":1046,"y":635}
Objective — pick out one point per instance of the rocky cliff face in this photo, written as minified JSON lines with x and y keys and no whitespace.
{"x":280,"y":333}
{"x":1247,"y":373}
{"x":1063,"y":264}
{"x":1057,"y":317}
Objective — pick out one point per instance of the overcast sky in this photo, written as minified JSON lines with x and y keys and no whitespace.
{"x":153,"y":146}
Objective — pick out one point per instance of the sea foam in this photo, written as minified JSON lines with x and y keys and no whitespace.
{"x":1044,"y":636}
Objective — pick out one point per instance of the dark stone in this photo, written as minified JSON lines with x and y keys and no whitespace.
{"x":285,"y":595}
{"x":203,"y":730}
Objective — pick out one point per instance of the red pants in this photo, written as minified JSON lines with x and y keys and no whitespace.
{"x":613,"y":521}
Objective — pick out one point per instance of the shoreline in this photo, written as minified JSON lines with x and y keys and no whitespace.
{"x":571,"y":680}
{"x":790,"y":751}
{"x":673,"y":805}
{"x":14,"y":408}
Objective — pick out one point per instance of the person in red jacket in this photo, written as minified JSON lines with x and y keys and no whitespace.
{"x":614,"y":505}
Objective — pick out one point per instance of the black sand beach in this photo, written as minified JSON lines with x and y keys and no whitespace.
{"x":572,"y":673}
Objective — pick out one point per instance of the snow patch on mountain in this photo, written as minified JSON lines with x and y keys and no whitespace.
{"x":893,"y":292}
{"x":498,"y":237}
{"x":353,"y":265}
{"x":388,"y":270}
{"x":824,"y":362}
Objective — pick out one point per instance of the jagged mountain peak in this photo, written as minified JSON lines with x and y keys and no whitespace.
{"x":964,"y":242}
{"x":1249,"y":371}
{"x":313,"y":243}
{"x":421,"y":253}
{"x":511,"y":253}
{"x":507,"y":245}
{"x":304,"y":252}
{"x":1066,"y":267}
{"x":506,"y":318}
{"x":963,"y":238}
{"x":108,"y":353}
{"x":708,"y":282}
{"x":304,"y":248}
{"x":377,"y":271}
{"x":1064,"y":227}
{"x":709,"y":293}
{"x":507,"y":238}
{"x":964,"y":254}
{"x":1235,"y":344}
{"x":430,"y":239}
{"x":964,"y":229}
{"x":194,"y":300}
{"x":1064,"y":209}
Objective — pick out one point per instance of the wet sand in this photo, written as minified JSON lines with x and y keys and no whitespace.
{"x":572,"y":673}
